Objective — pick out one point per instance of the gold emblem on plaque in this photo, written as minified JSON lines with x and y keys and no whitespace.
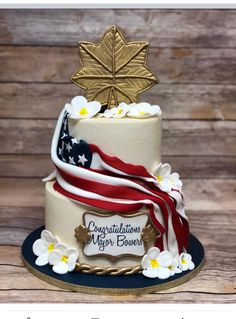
{"x":114,"y":71}
{"x":82,"y":234}
{"x":149,"y":234}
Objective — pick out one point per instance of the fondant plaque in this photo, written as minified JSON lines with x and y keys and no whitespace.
{"x":115,"y":235}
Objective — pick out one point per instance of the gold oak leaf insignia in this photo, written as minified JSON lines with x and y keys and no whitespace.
{"x":82,"y":234}
{"x":149,"y":234}
{"x":114,"y":71}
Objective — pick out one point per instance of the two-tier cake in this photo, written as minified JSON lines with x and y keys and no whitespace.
{"x":112,"y":207}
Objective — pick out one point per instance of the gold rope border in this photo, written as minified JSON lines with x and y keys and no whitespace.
{"x":112,"y":271}
{"x":112,"y":291}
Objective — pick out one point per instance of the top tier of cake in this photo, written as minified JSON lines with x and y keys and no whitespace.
{"x":136,"y":141}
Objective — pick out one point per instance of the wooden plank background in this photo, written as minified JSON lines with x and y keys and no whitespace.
{"x":194,"y":54}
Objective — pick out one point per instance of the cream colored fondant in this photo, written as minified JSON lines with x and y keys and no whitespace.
{"x":136,"y":141}
{"x":63,"y":215}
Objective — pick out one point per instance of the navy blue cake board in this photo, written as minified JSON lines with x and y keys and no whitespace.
{"x":109,"y":285}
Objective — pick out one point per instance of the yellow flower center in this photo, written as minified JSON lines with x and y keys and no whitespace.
{"x":184,"y":261}
{"x":154,"y":263}
{"x":51,"y":247}
{"x":159,"y":178}
{"x":119,"y":111}
{"x":83,"y":111}
{"x":171,"y":267}
{"x":141,"y":112}
{"x":64,"y":259}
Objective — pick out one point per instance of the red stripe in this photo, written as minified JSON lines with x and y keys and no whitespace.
{"x":181,"y":228}
{"x":115,"y":162}
{"x":185,"y":232}
{"x":178,"y":226}
{"x":184,"y":235}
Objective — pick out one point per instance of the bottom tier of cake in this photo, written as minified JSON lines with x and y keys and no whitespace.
{"x":63,"y":216}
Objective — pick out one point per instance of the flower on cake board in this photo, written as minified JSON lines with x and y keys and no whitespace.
{"x":43,"y":247}
{"x":166,"y":180}
{"x":174,"y":267}
{"x":80,"y":108}
{"x":63,"y":259}
{"x":185,"y":262}
{"x":143,"y":110}
{"x":155,"y":264}
{"x":162,"y":265}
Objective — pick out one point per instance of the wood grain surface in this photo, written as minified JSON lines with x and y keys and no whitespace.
{"x":172,"y":65}
{"x":194,"y":54}
{"x":45,"y":100}
{"x":162,"y":28}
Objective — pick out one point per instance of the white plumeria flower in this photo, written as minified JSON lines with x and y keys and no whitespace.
{"x":121,"y":110}
{"x":185,"y":262}
{"x":108,"y":113}
{"x":174,"y":267}
{"x":143,"y":110}
{"x":80,"y":108}
{"x":162,"y":175}
{"x":166,"y":180}
{"x":63,"y":259}
{"x":118,"y":112}
{"x":155,"y":264}
{"x":43,"y":247}
{"x":175,"y":181}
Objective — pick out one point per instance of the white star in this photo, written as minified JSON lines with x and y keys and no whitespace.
{"x":64,"y":135}
{"x":71,"y":160}
{"x":64,"y":160}
{"x":60,"y":151}
{"x":74,"y":140}
{"x":65,"y":123}
{"x":82,"y":159}
{"x":68,"y":147}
